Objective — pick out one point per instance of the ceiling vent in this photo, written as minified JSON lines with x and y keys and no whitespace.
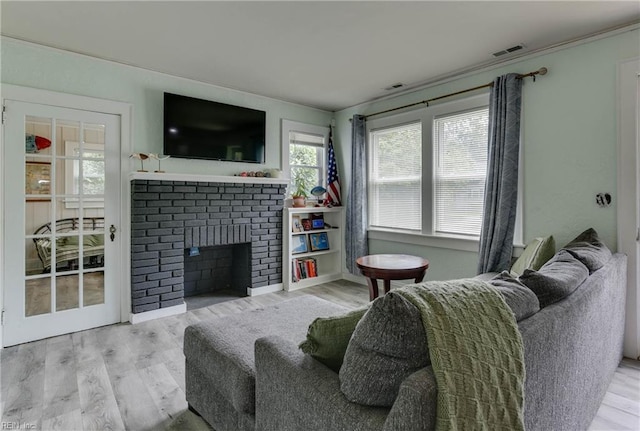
{"x":394,"y":86}
{"x":509,"y":50}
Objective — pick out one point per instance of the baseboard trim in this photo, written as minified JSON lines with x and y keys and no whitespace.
{"x":354,"y":278}
{"x":156,"y":314}
{"x":254,"y":291}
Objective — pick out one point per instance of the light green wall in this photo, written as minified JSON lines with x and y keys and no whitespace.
{"x":569,"y":135}
{"x":569,"y":128}
{"x":35,"y":66}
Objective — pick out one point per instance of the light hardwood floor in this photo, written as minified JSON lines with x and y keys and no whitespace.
{"x":132,"y":376}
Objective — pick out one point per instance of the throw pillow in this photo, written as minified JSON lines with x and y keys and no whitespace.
{"x":387,"y":346}
{"x":93,"y":240}
{"x":556,"y":279}
{"x":535,"y":254}
{"x":589,"y":250}
{"x":71,"y":240}
{"x":522,"y":301}
{"x":328,"y":337}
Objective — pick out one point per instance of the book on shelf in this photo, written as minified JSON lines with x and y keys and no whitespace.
{"x":303,"y":268}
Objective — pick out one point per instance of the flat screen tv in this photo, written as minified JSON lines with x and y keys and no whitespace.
{"x":203,"y":129}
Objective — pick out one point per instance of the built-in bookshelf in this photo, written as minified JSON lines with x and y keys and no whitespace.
{"x":312,"y":246}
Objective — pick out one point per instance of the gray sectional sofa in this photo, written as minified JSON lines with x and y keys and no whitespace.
{"x":571,"y":349}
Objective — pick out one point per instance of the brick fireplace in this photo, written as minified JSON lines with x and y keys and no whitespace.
{"x":170,"y":217}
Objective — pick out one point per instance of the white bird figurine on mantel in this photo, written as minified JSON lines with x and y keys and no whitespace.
{"x":159,"y":158}
{"x":142,"y":157}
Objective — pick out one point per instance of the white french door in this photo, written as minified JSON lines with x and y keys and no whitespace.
{"x":61,"y":206}
{"x":628,"y":201}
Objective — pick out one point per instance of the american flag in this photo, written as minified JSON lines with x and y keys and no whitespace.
{"x":333,"y":181}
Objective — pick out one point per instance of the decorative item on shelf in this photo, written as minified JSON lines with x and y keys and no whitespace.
{"x":257,"y":174}
{"x":159,"y":159}
{"x":274,"y":173}
{"x":299,"y":244}
{"x":299,"y":201}
{"x":300,"y":194}
{"x":319,"y":241}
{"x":34,"y":143}
{"x":306,"y":224}
{"x":142,"y":157}
{"x":318,"y":192}
{"x":296,"y":224}
{"x":317,"y":221}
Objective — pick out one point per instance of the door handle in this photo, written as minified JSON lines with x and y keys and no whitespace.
{"x":112,"y":231}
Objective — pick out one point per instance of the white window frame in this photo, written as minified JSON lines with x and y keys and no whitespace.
{"x":289,"y":126}
{"x":427,"y":236}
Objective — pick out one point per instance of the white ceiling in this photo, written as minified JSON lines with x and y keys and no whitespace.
{"x":325,"y":54}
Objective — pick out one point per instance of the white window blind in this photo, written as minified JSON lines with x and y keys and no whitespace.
{"x":460,"y":143}
{"x":395,"y":177}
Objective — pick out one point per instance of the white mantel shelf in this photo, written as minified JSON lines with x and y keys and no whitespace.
{"x":171,"y":176}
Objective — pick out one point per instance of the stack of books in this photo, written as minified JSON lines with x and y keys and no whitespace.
{"x":304,"y":268}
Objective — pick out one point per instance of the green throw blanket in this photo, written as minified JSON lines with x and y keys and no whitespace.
{"x":476,"y":353}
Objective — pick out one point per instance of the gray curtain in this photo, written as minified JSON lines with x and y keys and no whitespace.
{"x":501,"y":188}
{"x":356,"y":229}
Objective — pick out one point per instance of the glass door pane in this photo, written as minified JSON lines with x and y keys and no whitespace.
{"x":40,"y":244}
{"x":64,"y":188}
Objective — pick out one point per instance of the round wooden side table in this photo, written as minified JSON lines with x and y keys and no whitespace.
{"x":389,"y":267}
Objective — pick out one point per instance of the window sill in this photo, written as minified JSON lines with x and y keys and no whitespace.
{"x":439,"y":241}
{"x":450,"y":242}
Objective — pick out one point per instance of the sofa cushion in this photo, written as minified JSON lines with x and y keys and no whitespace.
{"x":222,"y":349}
{"x":556,"y":279}
{"x":328,"y":337}
{"x":87,"y":241}
{"x":486,"y":276}
{"x":522,"y":301}
{"x":388,"y":344}
{"x":589,"y":250}
{"x":535,"y":254}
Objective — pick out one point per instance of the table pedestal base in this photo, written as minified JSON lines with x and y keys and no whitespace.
{"x":387,"y":267}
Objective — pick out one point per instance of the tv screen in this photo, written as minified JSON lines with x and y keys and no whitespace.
{"x":203,"y":129}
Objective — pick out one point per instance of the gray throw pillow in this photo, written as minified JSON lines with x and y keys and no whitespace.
{"x":589,"y":250}
{"x":522,"y":301}
{"x":556,"y":279}
{"x":388,"y":344}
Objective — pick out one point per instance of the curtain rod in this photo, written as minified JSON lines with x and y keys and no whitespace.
{"x":541,"y":71}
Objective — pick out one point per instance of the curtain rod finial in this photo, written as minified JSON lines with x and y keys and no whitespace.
{"x":542,"y":71}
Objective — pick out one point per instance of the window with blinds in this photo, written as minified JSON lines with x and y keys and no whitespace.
{"x":460,"y":151}
{"x":395,"y":177}
{"x":427,"y":171}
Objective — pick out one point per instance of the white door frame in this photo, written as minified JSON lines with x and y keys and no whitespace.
{"x":629,"y":195}
{"x":125,"y":112}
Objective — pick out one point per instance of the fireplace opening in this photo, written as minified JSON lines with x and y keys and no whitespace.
{"x":216,"y":274}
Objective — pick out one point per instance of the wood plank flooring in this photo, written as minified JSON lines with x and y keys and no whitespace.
{"x":131,"y":377}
